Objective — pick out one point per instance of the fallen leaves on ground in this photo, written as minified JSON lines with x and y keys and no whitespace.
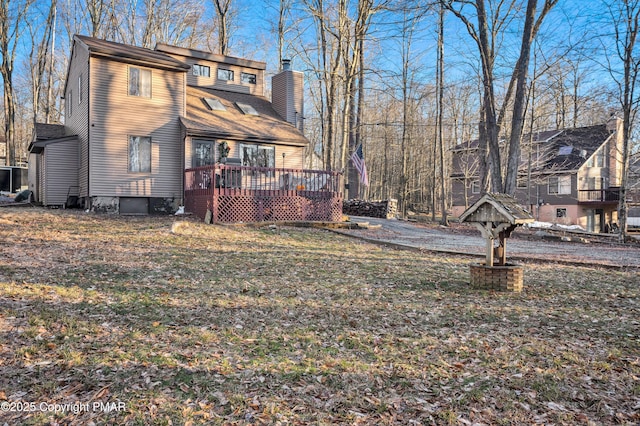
{"x":186,"y":323}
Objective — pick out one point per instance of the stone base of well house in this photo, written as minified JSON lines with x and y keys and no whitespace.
{"x":499,"y":278}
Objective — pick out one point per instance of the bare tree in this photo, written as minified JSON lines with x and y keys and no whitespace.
{"x":531,"y":28}
{"x":328,"y":65}
{"x":439,"y":117}
{"x":625,"y":15}
{"x":355,"y":93}
{"x":223,"y":15}
{"x":39,"y":58}
{"x":493,"y":18}
{"x":12,"y":17}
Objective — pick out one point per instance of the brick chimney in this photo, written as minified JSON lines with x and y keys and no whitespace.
{"x":287,"y":94}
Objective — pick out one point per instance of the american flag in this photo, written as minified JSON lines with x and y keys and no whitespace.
{"x":358,"y":161}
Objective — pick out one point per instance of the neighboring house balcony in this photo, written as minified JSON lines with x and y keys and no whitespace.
{"x":599,"y":196}
{"x":234,"y":193}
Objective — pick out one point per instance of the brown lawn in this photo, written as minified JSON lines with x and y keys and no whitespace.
{"x":115,"y":320}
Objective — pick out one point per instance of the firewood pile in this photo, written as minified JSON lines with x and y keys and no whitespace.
{"x":385,"y":209}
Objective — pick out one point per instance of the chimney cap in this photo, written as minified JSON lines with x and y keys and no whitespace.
{"x":286,"y":64}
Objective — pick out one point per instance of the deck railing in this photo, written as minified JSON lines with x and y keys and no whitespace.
{"x":610,"y":195}
{"x":253,"y":194}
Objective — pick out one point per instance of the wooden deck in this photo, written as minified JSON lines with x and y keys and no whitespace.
{"x":599,"y":196}
{"x":256,"y":194}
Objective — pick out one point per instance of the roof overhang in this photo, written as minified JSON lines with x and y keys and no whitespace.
{"x":193,"y":129}
{"x":38,"y":146}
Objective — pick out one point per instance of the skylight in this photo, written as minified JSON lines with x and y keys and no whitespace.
{"x":565,"y":150}
{"x":214,"y":104}
{"x":247,"y":109}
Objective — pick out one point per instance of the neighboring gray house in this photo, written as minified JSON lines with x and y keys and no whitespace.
{"x":566,"y":176}
{"x":136,"y":119}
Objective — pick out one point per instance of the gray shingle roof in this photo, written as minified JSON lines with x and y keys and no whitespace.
{"x":570,"y":149}
{"x":44,"y":131}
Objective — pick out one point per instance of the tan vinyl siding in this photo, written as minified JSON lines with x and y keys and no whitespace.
{"x":115,"y":116}
{"x":287,"y":96}
{"x":215,"y":61}
{"x":188,"y":153}
{"x":76,"y":123}
{"x":60,"y":168}
{"x":236,"y":85}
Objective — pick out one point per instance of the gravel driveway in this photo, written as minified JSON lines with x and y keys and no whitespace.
{"x":523,"y":245}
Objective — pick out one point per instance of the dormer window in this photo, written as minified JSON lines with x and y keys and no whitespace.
{"x":201,"y":70}
{"x":214,"y":104}
{"x":247,"y":109}
{"x":225,"y":75}
{"x":249,"y":78}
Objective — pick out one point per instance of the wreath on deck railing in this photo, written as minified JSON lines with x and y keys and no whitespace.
{"x":223,"y":149}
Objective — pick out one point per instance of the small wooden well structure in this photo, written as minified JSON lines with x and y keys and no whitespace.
{"x":496,"y":216}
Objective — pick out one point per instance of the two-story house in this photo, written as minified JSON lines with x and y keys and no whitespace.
{"x":569,"y":176}
{"x":137,"y":119}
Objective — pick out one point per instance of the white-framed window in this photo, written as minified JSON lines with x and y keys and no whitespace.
{"x":139,"y":154}
{"x":201,"y":70}
{"x":258,"y":155}
{"x":475,"y":187}
{"x":79,"y":89}
{"x":139,"y":82}
{"x":249,"y":78}
{"x":597,"y":159}
{"x":204,"y":153}
{"x":225,"y":75}
{"x":560,"y":185}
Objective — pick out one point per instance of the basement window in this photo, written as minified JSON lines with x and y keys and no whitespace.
{"x":247,"y":109}
{"x":561,"y":213}
{"x":214,"y":104}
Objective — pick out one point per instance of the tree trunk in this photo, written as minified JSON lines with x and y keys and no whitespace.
{"x":440,"y":79}
{"x":517,"y":120}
